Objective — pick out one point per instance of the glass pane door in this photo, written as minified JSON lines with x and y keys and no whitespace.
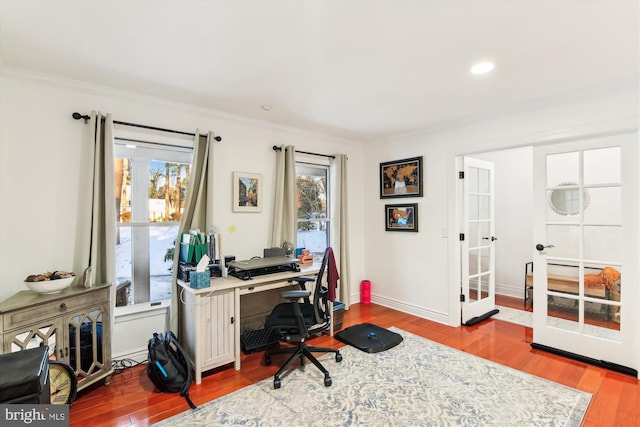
{"x":582,"y":249}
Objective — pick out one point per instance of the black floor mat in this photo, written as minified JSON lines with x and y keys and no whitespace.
{"x":369,"y":338}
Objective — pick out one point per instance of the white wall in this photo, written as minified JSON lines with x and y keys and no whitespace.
{"x":513,"y":221}
{"x":416,"y":272}
{"x":42,"y":149}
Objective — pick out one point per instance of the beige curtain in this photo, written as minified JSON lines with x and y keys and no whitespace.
{"x":197,"y":212}
{"x":340,"y":227}
{"x":284,"y":210}
{"x":97,"y":221}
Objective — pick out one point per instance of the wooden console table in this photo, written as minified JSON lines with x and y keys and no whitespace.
{"x":75,"y":324}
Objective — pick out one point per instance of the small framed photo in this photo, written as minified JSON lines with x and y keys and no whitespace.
{"x":403,"y":217}
{"x":247,"y":192}
{"x":401,"y":178}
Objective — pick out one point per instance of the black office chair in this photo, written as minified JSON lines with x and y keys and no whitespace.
{"x":300,"y":318}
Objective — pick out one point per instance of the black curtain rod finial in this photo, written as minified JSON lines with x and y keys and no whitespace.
{"x":86,"y":118}
{"x":79,"y":116}
{"x":276,"y":148}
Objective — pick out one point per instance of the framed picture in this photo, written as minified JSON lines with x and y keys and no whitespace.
{"x":403,"y":217}
{"x":247,"y":192}
{"x":401,"y":178}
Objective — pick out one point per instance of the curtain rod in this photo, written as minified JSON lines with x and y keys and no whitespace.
{"x":86,"y":118}
{"x":276,"y":148}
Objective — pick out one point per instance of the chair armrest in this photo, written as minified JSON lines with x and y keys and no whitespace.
{"x":295,"y":295}
{"x":302,"y":280}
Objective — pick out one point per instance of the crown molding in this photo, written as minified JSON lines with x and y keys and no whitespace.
{"x":101,"y":90}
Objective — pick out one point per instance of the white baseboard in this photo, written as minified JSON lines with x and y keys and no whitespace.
{"x":510,"y":291}
{"x":432,"y":315}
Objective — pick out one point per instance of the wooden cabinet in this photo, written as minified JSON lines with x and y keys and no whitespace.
{"x":207,"y":331}
{"x":75,"y":324}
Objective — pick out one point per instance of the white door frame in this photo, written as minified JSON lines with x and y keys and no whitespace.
{"x":621,"y":350}
{"x":618,"y":126}
{"x":478,"y":243}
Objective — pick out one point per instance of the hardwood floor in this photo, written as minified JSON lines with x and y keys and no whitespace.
{"x":131,"y":399}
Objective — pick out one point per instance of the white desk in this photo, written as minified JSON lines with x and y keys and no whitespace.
{"x":210,"y":317}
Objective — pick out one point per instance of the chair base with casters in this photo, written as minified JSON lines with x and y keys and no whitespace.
{"x":295,"y":322}
{"x":301,"y":351}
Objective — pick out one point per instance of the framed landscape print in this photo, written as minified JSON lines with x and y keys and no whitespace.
{"x":401,"y":178}
{"x":247,"y":192}
{"x":402,"y":217}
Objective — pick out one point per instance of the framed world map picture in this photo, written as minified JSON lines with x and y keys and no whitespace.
{"x":401,"y":178}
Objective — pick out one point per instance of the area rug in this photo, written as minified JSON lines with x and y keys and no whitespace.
{"x":417,"y":383}
{"x":512,"y":315}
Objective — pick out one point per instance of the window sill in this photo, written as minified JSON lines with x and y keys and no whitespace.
{"x":138,"y":309}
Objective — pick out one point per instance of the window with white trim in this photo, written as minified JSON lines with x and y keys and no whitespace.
{"x":150,"y":189}
{"x":312,"y":201}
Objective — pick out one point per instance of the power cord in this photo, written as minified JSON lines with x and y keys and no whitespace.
{"x":122,"y":364}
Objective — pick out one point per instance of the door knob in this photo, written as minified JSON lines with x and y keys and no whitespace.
{"x":541,"y":247}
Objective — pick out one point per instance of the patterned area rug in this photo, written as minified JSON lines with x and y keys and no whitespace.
{"x":512,"y":315}
{"x":419,"y":382}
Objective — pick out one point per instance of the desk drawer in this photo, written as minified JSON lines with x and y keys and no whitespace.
{"x":27,"y":316}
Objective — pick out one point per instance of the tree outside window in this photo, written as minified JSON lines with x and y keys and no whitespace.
{"x":150,"y":190}
{"x":313,"y":207}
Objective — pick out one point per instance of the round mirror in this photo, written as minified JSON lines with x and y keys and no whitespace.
{"x":566,"y":201}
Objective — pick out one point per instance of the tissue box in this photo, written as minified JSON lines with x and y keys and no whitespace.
{"x":200,"y":279}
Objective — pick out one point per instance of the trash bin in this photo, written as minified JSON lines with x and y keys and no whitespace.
{"x":338,"y":315}
{"x":365,"y":292}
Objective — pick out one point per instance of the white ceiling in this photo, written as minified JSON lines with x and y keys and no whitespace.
{"x":362,"y":70}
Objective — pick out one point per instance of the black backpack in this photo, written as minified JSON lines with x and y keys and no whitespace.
{"x":169,"y":367}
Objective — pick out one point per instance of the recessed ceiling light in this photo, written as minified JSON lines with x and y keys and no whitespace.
{"x":482,"y":67}
{"x":266,"y":107}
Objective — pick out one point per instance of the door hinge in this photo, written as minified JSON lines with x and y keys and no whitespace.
{"x":232,"y":320}
{"x":462,"y":237}
{"x":461,"y":175}
{"x":462,"y":299}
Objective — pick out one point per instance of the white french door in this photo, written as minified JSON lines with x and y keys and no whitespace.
{"x":478,"y":243}
{"x":585,"y":251}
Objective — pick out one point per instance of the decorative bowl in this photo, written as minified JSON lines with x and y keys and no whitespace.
{"x":50,"y":286}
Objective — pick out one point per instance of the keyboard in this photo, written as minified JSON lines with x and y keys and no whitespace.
{"x":258,"y":340}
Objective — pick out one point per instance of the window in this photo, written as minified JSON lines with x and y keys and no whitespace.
{"x":312,"y":184}
{"x":150,"y":188}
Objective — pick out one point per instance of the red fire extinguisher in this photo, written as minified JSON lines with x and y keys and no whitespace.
{"x":365,"y":292}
